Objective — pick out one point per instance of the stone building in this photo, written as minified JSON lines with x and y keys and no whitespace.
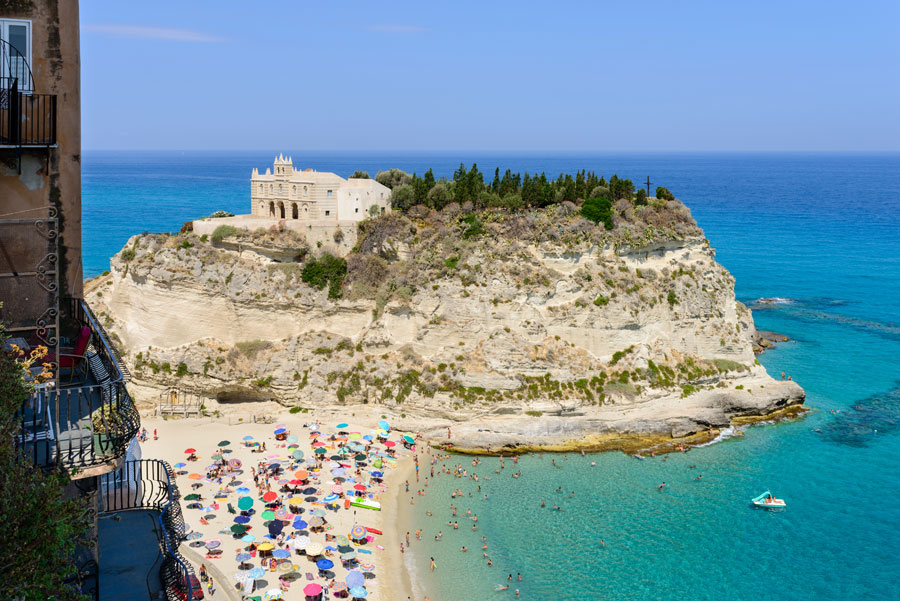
{"x":283,"y":192}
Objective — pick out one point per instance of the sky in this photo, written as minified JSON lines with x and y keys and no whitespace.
{"x":491,"y":75}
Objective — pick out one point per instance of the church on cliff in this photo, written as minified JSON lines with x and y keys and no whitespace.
{"x":283,"y":192}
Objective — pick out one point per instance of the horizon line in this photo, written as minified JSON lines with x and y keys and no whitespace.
{"x":509,"y":151}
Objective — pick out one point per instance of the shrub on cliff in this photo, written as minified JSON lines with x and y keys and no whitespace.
{"x":597,"y":210}
{"x":327,"y":270}
{"x":222,"y":232}
{"x":664,"y":194}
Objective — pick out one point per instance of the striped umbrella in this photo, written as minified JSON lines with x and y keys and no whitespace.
{"x":358,"y":532}
{"x":337,"y":489}
{"x":283,"y":514}
{"x":366,"y":567}
{"x":234,"y":464}
{"x":358,"y":592}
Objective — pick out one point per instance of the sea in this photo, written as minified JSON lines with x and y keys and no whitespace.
{"x":818,"y":232}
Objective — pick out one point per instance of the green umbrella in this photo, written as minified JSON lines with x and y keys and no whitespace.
{"x":268,"y":515}
{"x":298,"y":454}
{"x":224,"y":443}
{"x":192,"y":497}
{"x":321,"y":451}
{"x":355,"y":436}
{"x":360,"y":457}
{"x":238,"y":529}
{"x":377,"y":463}
{"x":245,"y":503}
{"x":217,"y":456}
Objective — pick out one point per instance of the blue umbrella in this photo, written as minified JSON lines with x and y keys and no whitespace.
{"x":338,"y":472}
{"x":242,"y":557}
{"x":242,"y":519}
{"x":280,"y":431}
{"x":377,"y":474}
{"x":300,"y":524}
{"x":341,"y":426}
{"x":298,"y":454}
{"x":182,"y":464}
{"x":247,"y":438}
{"x":384,"y":425}
{"x":259,"y":573}
{"x":281,"y":554}
{"x":330,"y":498}
{"x":355,"y":578}
{"x":248,"y":538}
{"x":358,"y":592}
{"x":275,"y":527}
{"x":243,"y":491}
{"x":368,"y":437}
{"x":324,"y":564}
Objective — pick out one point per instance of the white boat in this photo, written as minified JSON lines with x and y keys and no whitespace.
{"x":768,"y":501}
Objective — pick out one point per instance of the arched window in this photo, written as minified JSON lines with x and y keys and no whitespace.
{"x":305,"y":191}
{"x":294,"y":190}
{"x":281,"y":209}
{"x":294,"y":213}
{"x":279,"y":188}
{"x":271,"y":209}
{"x":271,"y":188}
{"x":260,"y":188}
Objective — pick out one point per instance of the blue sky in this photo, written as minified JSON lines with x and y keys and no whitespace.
{"x":491,"y":75}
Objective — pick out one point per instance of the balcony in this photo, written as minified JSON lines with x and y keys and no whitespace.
{"x":84,"y":420}
{"x":27,"y":119}
{"x":136,"y":491}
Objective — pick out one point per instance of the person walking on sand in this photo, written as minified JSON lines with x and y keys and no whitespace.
{"x":433,"y":565}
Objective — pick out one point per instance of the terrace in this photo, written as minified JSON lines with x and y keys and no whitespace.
{"x":84,"y":419}
{"x":27,"y":119}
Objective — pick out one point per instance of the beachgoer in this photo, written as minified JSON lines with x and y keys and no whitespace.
{"x":433,"y":565}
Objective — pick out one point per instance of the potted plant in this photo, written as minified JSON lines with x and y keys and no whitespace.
{"x":106,"y":425}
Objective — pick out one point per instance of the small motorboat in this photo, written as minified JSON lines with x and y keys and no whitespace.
{"x":768,"y":501}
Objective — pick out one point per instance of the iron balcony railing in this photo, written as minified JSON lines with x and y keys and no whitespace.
{"x":26,"y":119}
{"x":83,"y":426}
{"x":150,"y":484}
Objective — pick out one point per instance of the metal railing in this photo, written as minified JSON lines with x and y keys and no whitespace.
{"x":26,"y":119}
{"x":150,"y":484}
{"x":85,"y":425}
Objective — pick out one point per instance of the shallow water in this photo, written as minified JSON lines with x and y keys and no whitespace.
{"x":822,"y":230}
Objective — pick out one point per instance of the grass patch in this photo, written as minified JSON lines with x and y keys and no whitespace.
{"x":222,"y":232}
{"x":252,"y":347}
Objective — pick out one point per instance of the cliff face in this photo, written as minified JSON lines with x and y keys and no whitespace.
{"x":512,"y":330}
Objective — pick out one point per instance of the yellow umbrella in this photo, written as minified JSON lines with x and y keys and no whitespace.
{"x":266,"y":547}
{"x":295,"y":501}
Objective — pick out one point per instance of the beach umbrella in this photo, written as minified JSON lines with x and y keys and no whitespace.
{"x":330,"y":498}
{"x":224,"y":443}
{"x":300,"y":524}
{"x":243,"y":490}
{"x":295,"y":501}
{"x":286,"y":566}
{"x":216,"y":457}
{"x":384,"y":425}
{"x":281,"y":554}
{"x":368,"y":437}
{"x":324,"y":564}
{"x":320,"y":451}
{"x":355,"y":578}
{"x":192,"y":497}
{"x":339,"y":587}
{"x":377,"y":474}
{"x":213,"y":543}
{"x":318,"y":513}
{"x":292,"y":439}
{"x":245,"y":503}
{"x":358,"y":532}
{"x":242,"y":519}
{"x":180,"y":464}
{"x":234,"y":464}
{"x":238,"y":528}
{"x":338,"y":472}
{"x":309,"y":490}
{"x":342,"y":426}
{"x":360,"y":457}
{"x":297,"y":454}
{"x":359,"y":487}
{"x":193,"y":536}
{"x":275,"y":527}
{"x":300,"y":542}
{"x":242,"y":557}
{"x":265,"y":546}
{"x":283,"y":514}
{"x":358,"y":592}
{"x":270,"y":496}
{"x":248,"y":538}
{"x":377,"y":463}
{"x":257,"y":573}
{"x":195,"y":476}
{"x":337,"y":489}
{"x":280,"y":430}
{"x":268,"y":515}
{"x":355,"y":436}
{"x":409,"y":439}
{"x":314,"y":549}
{"x":312,"y":589}
{"x":273,"y":593}
{"x":348,"y":556}
{"x":390,"y":443}
{"x":301,"y":475}
{"x":313,"y":427}
{"x":366,"y":567}
{"x":246,"y":438}
{"x":189,"y":451}
{"x":316,"y":522}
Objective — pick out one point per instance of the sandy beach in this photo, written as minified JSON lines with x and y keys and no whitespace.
{"x":210,"y":517}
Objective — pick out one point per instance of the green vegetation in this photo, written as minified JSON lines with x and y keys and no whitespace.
{"x":672,"y":298}
{"x":251,"y":348}
{"x":475,"y":229}
{"x":360,"y":175}
{"x":182,"y":370}
{"x":327,"y":270}
{"x":726,"y":365}
{"x":42,"y":522}
{"x":598,"y":210}
{"x":619,"y":355}
{"x":263,"y":382}
{"x":664,"y":194}
{"x":601,"y":301}
{"x":128,"y":254}
{"x":533,"y":413}
{"x":222,"y":232}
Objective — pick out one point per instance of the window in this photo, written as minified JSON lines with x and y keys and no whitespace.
{"x":327,"y":213}
{"x":18,"y":34}
{"x":305,"y":191}
{"x":356,"y":210}
{"x":330,"y":193}
{"x":294,"y":191}
{"x":260,"y":189}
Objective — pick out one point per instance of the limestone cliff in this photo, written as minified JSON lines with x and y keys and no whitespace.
{"x":531,"y":328}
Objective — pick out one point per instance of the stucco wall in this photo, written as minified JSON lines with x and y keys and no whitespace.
{"x":51,"y":178}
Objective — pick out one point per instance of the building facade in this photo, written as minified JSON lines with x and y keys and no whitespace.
{"x":283,"y":192}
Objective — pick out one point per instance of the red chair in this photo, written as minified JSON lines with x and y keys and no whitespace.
{"x":73,"y":358}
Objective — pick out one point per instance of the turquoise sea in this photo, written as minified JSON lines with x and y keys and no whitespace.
{"x":822,"y":230}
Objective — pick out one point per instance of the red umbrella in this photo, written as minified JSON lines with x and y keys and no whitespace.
{"x":390,"y":443}
{"x":270,"y":496}
{"x":189,"y":451}
{"x":359,"y":487}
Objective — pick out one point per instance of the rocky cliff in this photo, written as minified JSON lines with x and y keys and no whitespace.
{"x":534,"y":328}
